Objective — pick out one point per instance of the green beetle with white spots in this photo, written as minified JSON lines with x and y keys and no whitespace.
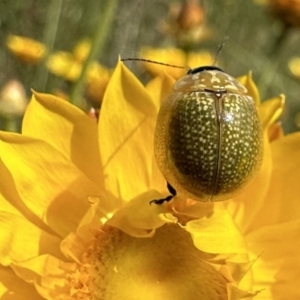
{"x":208,"y":138}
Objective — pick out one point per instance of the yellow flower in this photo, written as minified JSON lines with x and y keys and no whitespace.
{"x":62,"y":64}
{"x":97,"y":81}
{"x":82,"y":50}
{"x":26,"y":49}
{"x":174,"y":56}
{"x":76,"y":221}
{"x":69,"y":65}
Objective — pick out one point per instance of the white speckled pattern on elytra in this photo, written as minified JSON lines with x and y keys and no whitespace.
{"x":208,"y":142}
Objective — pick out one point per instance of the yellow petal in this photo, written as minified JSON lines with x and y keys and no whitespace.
{"x":11,"y":202}
{"x":248,"y":82}
{"x":45,"y":182}
{"x":281,"y":204}
{"x":66,"y":128}
{"x":34,"y":267}
{"x":216,"y":233}
{"x":21,"y":240}
{"x":5,"y":205}
{"x":277,"y":249}
{"x":75,"y":244}
{"x":126,"y":126}
{"x":49,"y":275}
{"x":234,"y":293}
{"x":275,"y":132}
{"x":14,"y":288}
{"x":269,"y":111}
{"x":160,"y":87}
{"x":73,"y":247}
{"x":248,"y":203}
{"x":138,"y":218}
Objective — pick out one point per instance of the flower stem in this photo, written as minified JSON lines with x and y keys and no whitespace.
{"x":10,"y":124}
{"x":272,"y":63}
{"x":52,"y":21}
{"x":97,"y":46}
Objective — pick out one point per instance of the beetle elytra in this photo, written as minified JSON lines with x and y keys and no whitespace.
{"x":208,"y":137}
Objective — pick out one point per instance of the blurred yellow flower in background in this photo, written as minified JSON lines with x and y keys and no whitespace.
{"x":76,"y":221}
{"x":69,"y":66}
{"x":26,"y":49}
{"x":96,"y":83}
{"x":174,"y":56}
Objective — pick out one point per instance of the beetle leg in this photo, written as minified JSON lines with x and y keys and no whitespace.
{"x":161,"y":201}
{"x":171,"y":189}
{"x":168,"y":198}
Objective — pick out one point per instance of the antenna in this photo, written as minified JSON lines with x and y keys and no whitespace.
{"x":220,"y":47}
{"x":155,"y":62}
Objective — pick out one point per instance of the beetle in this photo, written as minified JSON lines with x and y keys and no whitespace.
{"x":208,"y":137}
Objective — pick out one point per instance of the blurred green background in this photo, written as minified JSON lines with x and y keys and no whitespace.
{"x":257,"y":40}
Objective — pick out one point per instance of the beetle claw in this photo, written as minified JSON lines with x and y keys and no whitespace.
{"x":171,"y":189}
{"x":161,"y":201}
{"x":168,"y":198}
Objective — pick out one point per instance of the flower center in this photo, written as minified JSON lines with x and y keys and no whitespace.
{"x":166,"y":266}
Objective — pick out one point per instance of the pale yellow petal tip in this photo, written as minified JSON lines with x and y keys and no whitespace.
{"x":33,"y":91}
{"x":37,"y":95}
{"x":280,"y":107}
{"x":271,"y":110}
{"x":248,"y":82}
{"x":235,"y":293}
{"x":44,"y":96}
{"x":120,"y":61}
{"x":282,"y":98}
{"x":168,"y":218}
